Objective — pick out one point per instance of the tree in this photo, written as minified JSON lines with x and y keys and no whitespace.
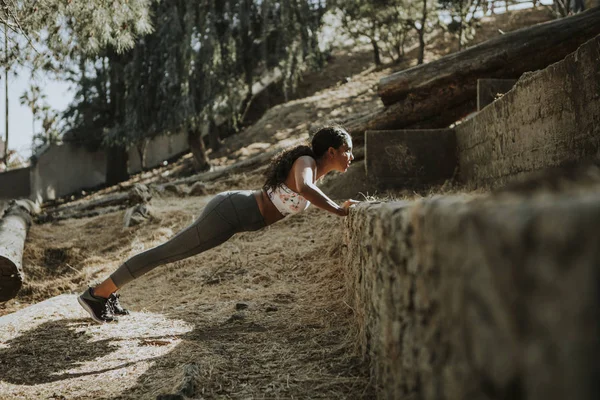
{"x":387,"y":23}
{"x":420,"y":15}
{"x":89,"y":25}
{"x":463,"y":18}
{"x":197,"y":67}
{"x":66,"y":28}
{"x":33,"y":98}
{"x":363,"y":18}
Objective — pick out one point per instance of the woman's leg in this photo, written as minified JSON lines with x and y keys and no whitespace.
{"x":212,"y":228}
{"x":226,"y":214}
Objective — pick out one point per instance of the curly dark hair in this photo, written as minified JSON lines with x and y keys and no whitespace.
{"x":326,"y":137}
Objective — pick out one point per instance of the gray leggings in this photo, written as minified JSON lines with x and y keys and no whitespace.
{"x":226,"y":214}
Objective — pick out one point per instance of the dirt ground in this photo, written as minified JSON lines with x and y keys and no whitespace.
{"x":262,"y":316}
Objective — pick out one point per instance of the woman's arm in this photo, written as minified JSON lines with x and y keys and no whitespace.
{"x":303,"y":170}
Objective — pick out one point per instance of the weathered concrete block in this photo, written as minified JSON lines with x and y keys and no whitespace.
{"x":550,"y":118}
{"x":157,"y":150}
{"x":479,"y":298}
{"x":15,"y":184}
{"x":410,"y":157}
{"x":488,"y":90}
{"x":65,"y":169}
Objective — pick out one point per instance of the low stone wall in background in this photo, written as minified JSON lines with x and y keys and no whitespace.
{"x":550,"y":118}
{"x":158,"y":150}
{"x":15,"y":184}
{"x":479,"y":298}
{"x":65,"y":169}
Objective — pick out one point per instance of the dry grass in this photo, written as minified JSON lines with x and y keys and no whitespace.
{"x":295,"y":339}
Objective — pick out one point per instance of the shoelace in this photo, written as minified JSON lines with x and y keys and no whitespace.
{"x":113,"y":299}
{"x":109,"y":310}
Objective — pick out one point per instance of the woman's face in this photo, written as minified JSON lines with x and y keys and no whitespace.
{"x":342,"y":156}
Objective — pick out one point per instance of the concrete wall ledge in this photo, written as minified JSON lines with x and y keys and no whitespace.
{"x":410,"y":157}
{"x":495,"y":297}
{"x":551,"y":118}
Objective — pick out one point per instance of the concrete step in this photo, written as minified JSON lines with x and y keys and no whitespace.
{"x":551,"y":118}
{"x":488,"y":90}
{"x":410,"y":157}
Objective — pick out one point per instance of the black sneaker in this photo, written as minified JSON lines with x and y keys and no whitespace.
{"x":99,"y":308}
{"x":113,"y":299}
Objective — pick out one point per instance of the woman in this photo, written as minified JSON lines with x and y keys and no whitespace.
{"x":289,"y":189}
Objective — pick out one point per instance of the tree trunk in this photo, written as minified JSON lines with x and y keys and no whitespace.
{"x":454,"y":77}
{"x":214,"y":139}
{"x":141,"y":149}
{"x":6,"y":116}
{"x":460,"y":30}
{"x":376,"y":55}
{"x":196,"y":144}
{"x":422,"y":34}
{"x":116,"y":165}
{"x":13,"y":230}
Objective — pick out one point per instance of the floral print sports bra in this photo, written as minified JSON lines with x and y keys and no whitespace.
{"x":286,"y":200}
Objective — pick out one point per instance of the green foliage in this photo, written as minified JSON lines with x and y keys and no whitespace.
{"x":389,"y":25}
{"x":198,"y":64}
{"x":35,"y":99}
{"x":463,"y":21}
{"x":84,"y":26}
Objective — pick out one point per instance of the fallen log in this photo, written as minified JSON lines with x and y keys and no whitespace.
{"x":44,"y":218}
{"x":409,"y":115}
{"x":13,"y":230}
{"x":506,"y":56}
{"x":242,"y":166}
{"x":137,"y":194}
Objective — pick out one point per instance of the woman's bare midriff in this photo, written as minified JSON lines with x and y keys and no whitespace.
{"x":267,"y":208}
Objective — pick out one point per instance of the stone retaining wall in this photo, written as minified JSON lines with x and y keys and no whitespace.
{"x":158,"y":150}
{"x":479,"y":298}
{"x":65,"y":169}
{"x":550,"y":118}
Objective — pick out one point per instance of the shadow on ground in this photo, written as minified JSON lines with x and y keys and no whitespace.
{"x":45,"y":354}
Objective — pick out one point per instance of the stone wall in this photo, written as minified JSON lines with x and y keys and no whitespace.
{"x":158,"y":150}
{"x":479,"y":298}
{"x":65,"y":169}
{"x":550,"y":118}
{"x":15,"y":184}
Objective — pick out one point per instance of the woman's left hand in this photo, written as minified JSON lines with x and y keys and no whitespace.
{"x":349,"y":203}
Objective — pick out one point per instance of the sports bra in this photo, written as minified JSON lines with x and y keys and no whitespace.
{"x":286,"y":200}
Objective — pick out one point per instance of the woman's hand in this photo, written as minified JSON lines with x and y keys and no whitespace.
{"x":347,"y":204}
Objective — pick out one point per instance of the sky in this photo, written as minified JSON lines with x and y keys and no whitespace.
{"x":20,"y":117}
{"x":58,"y":96}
